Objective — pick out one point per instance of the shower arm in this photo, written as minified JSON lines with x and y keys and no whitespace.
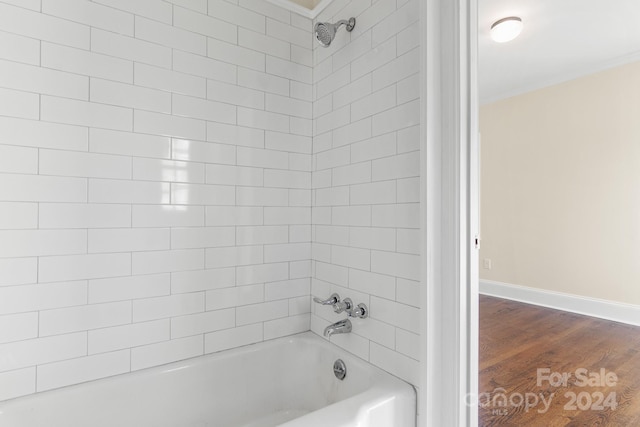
{"x":350,"y":24}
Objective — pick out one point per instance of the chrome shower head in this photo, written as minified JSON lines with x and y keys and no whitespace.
{"x":325,"y":31}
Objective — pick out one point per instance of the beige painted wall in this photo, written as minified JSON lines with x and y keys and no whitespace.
{"x":560,"y":187}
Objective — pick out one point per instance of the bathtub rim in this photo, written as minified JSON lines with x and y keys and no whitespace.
{"x":388,"y":378}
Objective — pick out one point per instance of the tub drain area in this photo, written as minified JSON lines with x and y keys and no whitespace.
{"x":339,"y":369}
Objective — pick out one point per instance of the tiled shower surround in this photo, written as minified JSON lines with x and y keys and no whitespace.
{"x":177,"y":178}
{"x":366,"y":185}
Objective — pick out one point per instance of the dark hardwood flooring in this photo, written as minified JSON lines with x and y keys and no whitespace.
{"x":517,"y":339}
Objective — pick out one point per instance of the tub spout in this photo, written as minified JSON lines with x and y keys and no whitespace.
{"x":341,"y":327}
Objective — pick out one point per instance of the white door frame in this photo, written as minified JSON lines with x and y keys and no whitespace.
{"x":449,"y":214}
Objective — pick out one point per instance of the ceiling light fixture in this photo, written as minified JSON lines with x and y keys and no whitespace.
{"x":506,"y":29}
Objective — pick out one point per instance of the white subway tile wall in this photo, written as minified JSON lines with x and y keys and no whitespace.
{"x":365,"y":180}
{"x":178,"y":176}
{"x":155,"y":183}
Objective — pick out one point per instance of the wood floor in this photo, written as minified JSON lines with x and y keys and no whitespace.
{"x":517,"y":339}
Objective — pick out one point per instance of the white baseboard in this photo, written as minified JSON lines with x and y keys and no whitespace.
{"x":603,"y":309}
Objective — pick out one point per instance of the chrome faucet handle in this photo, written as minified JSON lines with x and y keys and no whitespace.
{"x":361,"y":311}
{"x":332,"y":300}
{"x":342,"y":306}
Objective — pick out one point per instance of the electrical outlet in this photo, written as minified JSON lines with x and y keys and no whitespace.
{"x":486,"y":263}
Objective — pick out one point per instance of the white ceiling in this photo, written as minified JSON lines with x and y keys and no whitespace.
{"x":307,"y":8}
{"x":309,"y":4}
{"x":561,"y":40}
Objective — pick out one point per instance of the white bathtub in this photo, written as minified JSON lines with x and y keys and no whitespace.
{"x":287,"y":382}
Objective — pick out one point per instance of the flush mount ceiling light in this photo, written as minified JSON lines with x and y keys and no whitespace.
{"x":506,"y":29}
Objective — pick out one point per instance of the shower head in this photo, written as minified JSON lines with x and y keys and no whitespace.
{"x":325,"y":32}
